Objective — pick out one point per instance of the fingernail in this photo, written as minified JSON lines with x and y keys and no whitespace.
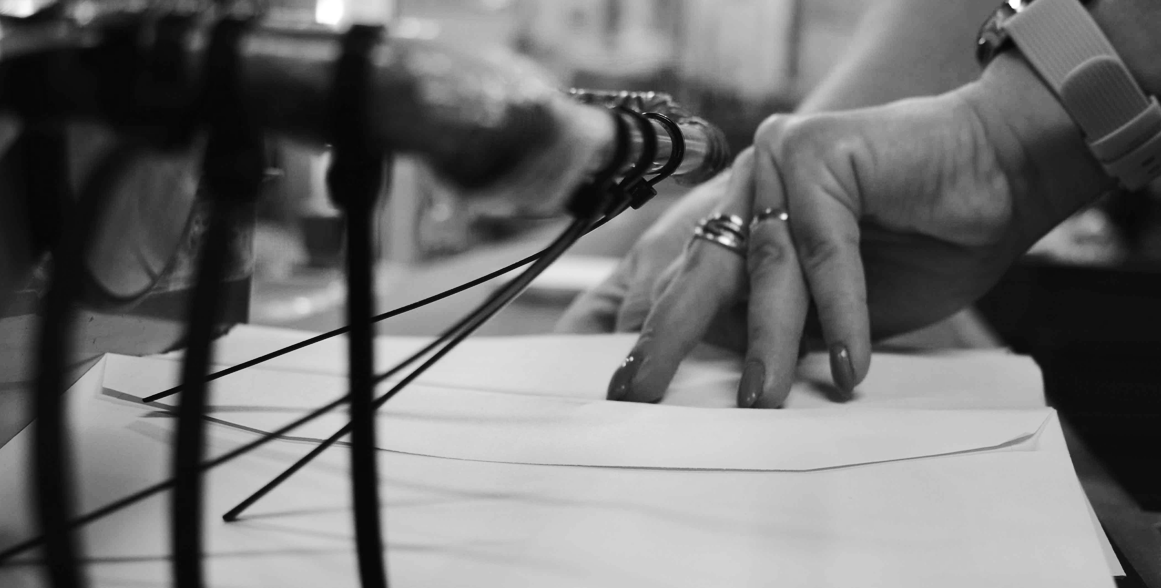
{"x":753,"y":381}
{"x":622,"y":383}
{"x":842,"y":369}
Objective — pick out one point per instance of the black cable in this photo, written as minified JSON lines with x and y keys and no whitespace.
{"x":202,"y":318}
{"x":346,"y":329}
{"x":233,"y":171}
{"x":452,"y":337}
{"x":465,"y":327}
{"x":164,"y":485}
{"x":153,"y":490}
{"x":354,"y":180}
{"x":583,"y":199}
{"x":233,"y":514}
{"x":51,"y":463}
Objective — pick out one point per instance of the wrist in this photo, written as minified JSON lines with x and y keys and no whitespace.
{"x":1049,"y":169}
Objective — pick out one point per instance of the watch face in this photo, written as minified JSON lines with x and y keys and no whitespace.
{"x":992,"y":38}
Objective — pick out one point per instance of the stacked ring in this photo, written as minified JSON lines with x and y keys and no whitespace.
{"x":726,"y":230}
{"x":779,"y":214}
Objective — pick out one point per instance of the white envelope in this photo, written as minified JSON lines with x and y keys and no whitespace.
{"x":858,"y":495}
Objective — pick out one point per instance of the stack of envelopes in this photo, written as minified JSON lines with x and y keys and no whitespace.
{"x":506,"y":467}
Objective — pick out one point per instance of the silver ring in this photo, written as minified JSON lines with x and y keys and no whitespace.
{"x":723,"y":239}
{"x":725,"y":230}
{"x":770,"y":214}
{"x":729,"y":222}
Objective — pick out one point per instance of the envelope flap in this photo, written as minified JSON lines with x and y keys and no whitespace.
{"x":579,"y":366}
{"x":485,"y":425}
{"x":558,"y":431}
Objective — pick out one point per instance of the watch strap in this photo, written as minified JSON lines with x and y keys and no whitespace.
{"x":1121,"y":124}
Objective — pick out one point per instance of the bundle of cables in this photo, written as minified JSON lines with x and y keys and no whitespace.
{"x":354,"y":180}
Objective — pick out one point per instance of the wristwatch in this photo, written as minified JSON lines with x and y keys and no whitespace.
{"x":993,"y":37}
{"x":1062,"y":42}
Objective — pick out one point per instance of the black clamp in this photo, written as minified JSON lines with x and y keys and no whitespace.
{"x":640,"y":190}
{"x":164,"y":91}
{"x":676,"y":147}
{"x":234,"y":161}
{"x":598,"y":195}
{"x":147,"y":82}
{"x":357,"y":163}
{"x":633,"y":186}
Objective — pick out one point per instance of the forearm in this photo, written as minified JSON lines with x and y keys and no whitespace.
{"x":903,"y":49}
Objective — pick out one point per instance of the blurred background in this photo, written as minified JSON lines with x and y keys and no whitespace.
{"x":733,"y":62}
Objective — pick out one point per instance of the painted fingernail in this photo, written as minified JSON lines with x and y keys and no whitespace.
{"x":622,"y":383}
{"x":753,"y":381}
{"x":842,"y":369}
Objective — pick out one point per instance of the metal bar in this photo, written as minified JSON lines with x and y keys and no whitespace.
{"x":474,"y":118}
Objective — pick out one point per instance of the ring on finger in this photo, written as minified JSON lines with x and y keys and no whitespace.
{"x":725,"y":230}
{"x":769,"y":214}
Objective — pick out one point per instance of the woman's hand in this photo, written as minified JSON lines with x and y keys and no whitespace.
{"x":895,"y":217}
{"x":622,"y":302}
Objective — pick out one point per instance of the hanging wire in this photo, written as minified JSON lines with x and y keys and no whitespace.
{"x":494,"y":304}
{"x":355,"y":179}
{"x":51,"y":460}
{"x":677,"y":154}
{"x":346,"y":329}
{"x":461,"y":330}
{"x":556,"y":249}
{"x":152,"y":490}
{"x":233,"y":173}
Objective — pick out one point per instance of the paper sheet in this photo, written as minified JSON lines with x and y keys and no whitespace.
{"x":982,"y":518}
{"x":579,"y":367}
{"x":462,"y":423}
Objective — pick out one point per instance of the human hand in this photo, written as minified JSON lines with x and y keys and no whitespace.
{"x":621,"y":302}
{"x":896,"y":217}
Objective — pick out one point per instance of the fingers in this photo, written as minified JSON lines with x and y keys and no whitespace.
{"x":809,"y":252}
{"x":642,"y":292}
{"x":826,"y":236}
{"x":710,"y":278}
{"x":778,"y":296}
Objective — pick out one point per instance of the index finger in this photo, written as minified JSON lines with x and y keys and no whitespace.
{"x":710,"y":277}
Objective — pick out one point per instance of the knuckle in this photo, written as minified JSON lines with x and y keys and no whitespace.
{"x":772,"y":131}
{"x":767,"y":253}
{"x":817,"y":251}
{"x":791,"y":139}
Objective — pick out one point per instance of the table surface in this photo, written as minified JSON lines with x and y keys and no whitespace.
{"x":1136,"y":534}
